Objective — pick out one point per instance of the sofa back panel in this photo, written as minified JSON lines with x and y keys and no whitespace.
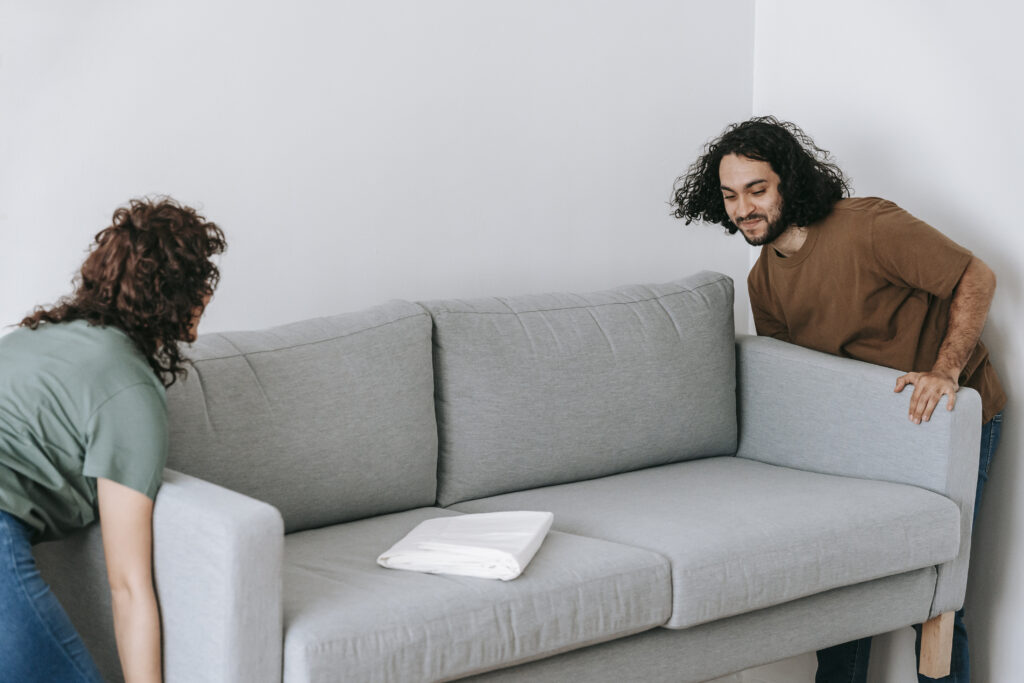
{"x":540,"y":390}
{"x":329,"y":419}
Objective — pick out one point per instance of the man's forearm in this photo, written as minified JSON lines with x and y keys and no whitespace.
{"x":967,"y":313}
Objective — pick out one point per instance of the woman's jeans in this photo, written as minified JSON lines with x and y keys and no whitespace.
{"x":848,"y":663}
{"x":37,"y":640}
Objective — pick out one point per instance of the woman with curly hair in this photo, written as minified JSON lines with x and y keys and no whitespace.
{"x":83,"y":432}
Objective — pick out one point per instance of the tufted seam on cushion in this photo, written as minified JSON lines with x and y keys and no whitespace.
{"x":439,"y":310}
{"x":304,"y":344}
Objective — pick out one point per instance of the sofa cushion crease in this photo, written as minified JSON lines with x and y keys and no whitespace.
{"x":219,"y":346}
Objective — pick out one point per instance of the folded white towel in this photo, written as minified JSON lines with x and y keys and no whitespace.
{"x":490,"y":545}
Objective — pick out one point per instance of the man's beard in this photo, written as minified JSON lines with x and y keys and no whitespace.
{"x":775,"y":229}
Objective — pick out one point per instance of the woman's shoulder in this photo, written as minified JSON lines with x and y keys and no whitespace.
{"x":101,"y":357}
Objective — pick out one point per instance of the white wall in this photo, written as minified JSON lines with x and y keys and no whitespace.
{"x":360,"y":151}
{"x":920,"y":102}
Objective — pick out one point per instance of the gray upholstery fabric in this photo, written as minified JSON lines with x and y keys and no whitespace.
{"x":742,"y":535}
{"x":217,"y":567}
{"x":722,"y":647}
{"x":538,"y":390}
{"x":812,"y":411}
{"x":332,"y":420}
{"x":328,"y":420}
{"x":347,"y":619}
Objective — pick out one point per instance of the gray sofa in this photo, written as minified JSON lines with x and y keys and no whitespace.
{"x":718,"y":503}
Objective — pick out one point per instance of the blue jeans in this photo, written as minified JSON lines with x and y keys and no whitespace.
{"x":848,"y":663}
{"x":37,"y":640}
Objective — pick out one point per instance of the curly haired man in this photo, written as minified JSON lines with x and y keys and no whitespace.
{"x":854,"y":277}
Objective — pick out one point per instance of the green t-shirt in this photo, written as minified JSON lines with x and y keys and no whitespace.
{"x":77,"y":402}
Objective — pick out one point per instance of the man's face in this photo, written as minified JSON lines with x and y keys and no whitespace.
{"x":750,"y":191}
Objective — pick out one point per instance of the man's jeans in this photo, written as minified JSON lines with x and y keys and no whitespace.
{"x":848,"y":663}
{"x":37,"y":640}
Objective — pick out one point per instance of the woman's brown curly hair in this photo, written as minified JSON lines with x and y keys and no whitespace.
{"x":146,"y":274}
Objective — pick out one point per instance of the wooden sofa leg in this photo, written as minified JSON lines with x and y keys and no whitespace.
{"x":936,"y":646}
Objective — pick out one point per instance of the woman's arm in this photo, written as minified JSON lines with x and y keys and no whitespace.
{"x":126,"y":519}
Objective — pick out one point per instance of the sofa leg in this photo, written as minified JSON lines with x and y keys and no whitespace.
{"x":936,"y":645}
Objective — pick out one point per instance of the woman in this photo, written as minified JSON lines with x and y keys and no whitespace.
{"x":83,"y":431}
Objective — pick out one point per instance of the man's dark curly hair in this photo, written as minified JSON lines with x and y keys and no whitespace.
{"x":810,"y":182}
{"x":146,"y":274}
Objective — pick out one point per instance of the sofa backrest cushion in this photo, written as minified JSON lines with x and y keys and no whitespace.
{"x":329,"y":420}
{"x":540,"y":390}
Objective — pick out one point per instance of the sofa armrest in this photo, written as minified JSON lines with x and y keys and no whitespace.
{"x":812,"y":411}
{"x":217,"y":566}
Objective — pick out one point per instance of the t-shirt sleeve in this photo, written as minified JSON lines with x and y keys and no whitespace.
{"x":913,"y":254}
{"x":126,"y":439}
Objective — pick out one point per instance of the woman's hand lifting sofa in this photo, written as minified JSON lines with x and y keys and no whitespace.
{"x":718,"y":503}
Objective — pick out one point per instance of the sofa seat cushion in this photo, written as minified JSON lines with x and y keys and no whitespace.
{"x":742,"y":535}
{"x":347,"y":619}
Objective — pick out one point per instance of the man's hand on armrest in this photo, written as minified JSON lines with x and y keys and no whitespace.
{"x":929,"y":387}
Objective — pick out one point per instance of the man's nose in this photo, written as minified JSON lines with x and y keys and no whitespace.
{"x":744,"y":207}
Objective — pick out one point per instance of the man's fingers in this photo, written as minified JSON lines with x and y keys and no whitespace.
{"x":903,"y":381}
{"x":929,"y":388}
{"x":916,"y":405}
{"x":929,"y":407}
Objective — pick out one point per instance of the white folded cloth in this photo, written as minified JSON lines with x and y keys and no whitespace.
{"x":489,"y":545}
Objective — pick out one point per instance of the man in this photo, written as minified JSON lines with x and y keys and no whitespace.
{"x":854,"y":277}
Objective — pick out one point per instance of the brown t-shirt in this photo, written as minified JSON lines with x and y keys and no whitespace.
{"x":870,"y":282}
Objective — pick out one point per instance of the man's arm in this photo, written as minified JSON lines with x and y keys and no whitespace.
{"x":967,"y":312}
{"x":126,"y":520}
